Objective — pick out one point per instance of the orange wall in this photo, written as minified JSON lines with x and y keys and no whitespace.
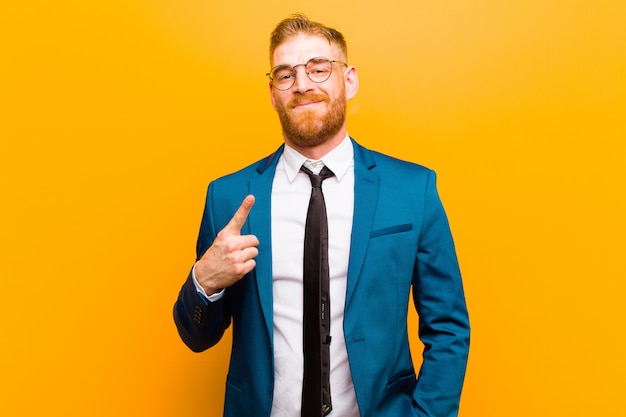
{"x":115,"y":115}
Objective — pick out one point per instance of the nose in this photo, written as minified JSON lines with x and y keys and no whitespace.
{"x":302,"y":83}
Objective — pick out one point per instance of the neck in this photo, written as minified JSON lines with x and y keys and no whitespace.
{"x":317,"y":152}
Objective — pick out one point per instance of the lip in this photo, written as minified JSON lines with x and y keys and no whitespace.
{"x":307,"y":103}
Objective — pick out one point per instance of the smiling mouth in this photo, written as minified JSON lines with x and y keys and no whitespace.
{"x":308,"y":100}
{"x":307,"y":103}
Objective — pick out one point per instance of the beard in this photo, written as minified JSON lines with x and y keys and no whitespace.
{"x":310,"y":128}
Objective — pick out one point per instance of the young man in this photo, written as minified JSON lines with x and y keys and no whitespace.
{"x":387,"y":233}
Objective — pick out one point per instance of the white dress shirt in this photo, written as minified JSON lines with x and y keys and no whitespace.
{"x":291,"y":192}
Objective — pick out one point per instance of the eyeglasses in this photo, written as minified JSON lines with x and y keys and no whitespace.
{"x":319,"y":69}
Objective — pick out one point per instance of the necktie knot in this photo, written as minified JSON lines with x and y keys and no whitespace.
{"x":316,"y":180}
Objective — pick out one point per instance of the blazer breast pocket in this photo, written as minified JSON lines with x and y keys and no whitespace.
{"x":391,"y":230}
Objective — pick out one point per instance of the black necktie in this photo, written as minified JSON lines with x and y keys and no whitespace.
{"x":316,"y":389}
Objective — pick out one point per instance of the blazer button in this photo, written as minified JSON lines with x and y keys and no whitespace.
{"x":197,"y":315}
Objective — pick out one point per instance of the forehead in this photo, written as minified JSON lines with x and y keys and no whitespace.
{"x":300,"y":48}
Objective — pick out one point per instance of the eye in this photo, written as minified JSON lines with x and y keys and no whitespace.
{"x":284,"y":76}
{"x":318,"y":70}
{"x":318,"y":67}
{"x":283,"y":73}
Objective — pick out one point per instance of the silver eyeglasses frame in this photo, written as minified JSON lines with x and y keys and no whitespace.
{"x":294,"y":73}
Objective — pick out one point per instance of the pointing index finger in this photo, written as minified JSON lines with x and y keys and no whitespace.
{"x":236,"y":223}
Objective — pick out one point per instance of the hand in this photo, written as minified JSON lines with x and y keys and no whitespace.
{"x":231,"y":256}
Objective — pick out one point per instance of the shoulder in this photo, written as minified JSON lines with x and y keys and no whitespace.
{"x":264,"y":166}
{"x":383,"y":164}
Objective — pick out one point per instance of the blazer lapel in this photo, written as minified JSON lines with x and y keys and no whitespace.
{"x":366,"y":187}
{"x":260,"y":223}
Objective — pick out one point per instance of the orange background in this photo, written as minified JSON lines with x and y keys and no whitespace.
{"x":115,"y":115}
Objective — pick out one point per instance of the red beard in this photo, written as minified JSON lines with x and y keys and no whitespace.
{"x":310,"y":128}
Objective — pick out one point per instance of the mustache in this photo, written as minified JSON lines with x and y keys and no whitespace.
{"x":308,"y":97}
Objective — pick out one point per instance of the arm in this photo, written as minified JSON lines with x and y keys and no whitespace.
{"x":201,"y":322}
{"x":443,"y":319}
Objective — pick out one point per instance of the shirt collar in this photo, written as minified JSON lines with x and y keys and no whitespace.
{"x":338,"y":160}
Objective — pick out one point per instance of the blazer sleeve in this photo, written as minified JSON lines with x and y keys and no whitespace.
{"x":443,"y":318}
{"x":201,"y":323}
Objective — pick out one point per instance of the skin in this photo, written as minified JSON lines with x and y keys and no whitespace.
{"x":313,"y":117}
{"x":231,"y":255}
{"x":307,"y":102}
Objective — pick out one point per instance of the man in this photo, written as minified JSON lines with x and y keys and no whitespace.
{"x":387,"y":234}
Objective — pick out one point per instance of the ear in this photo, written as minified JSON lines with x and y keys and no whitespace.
{"x":352,"y":82}
{"x":272,"y":97}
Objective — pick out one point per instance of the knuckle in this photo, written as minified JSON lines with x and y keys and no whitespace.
{"x":240,"y":270}
{"x":232,"y":258}
{"x":229,"y":246}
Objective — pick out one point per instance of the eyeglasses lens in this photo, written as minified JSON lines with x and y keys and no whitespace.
{"x":317,"y":69}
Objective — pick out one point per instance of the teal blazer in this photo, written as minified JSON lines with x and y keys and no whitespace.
{"x":400,"y":242}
